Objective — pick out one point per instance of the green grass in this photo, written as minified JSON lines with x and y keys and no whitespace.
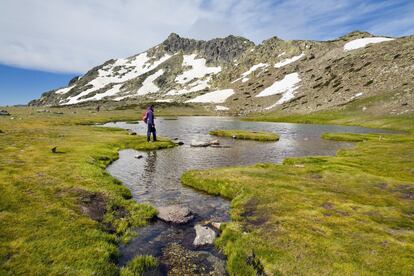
{"x":351,"y":214}
{"x":62,"y":213}
{"x":139,"y":265}
{"x":351,"y":114}
{"x":246,"y":134}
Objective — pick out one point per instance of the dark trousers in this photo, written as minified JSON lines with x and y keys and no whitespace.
{"x":151,"y":129}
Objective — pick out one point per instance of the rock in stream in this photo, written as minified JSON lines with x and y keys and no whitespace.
{"x":182,"y":261}
{"x":204,"y":235}
{"x":175,"y":214}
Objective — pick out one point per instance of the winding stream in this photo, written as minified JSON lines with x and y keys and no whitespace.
{"x":155,"y":178}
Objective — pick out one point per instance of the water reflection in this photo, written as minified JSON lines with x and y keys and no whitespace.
{"x":155,"y":178}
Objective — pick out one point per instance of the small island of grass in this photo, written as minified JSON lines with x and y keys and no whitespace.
{"x":246,"y":134}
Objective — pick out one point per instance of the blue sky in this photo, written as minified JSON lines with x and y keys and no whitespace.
{"x":68,"y":37}
{"x":19,"y":86}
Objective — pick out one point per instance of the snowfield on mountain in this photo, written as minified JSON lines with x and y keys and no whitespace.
{"x":296,"y":76}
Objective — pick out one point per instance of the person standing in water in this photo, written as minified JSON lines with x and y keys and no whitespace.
{"x":149,"y":120}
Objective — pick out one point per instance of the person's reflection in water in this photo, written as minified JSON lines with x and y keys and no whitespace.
{"x":149,"y":169}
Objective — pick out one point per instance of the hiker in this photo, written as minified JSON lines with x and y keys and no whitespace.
{"x":149,"y":120}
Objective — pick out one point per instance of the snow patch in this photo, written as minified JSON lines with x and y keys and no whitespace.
{"x":251,"y":70}
{"x":172,"y":92}
{"x":164,"y":100}
{"x":199,"y":85}
{"x":193,"y":87}
{"x":288,"y":61}
{"x":199,"y":69}
{"x":357,"y":95}
{"x":122,"y":97}
{"x":288,"y":83}
{"x":219,"y":96}
{"x":64,"y":90}
{"x":148,"y":85}
{"x":108,"y":93}
{"x":287,"y":87}
{"x":126,"y":69}
{"x":281,"y":54}
{"x":111,"y":92}
{"x":362,"y":42}
{"x":221,"y":108}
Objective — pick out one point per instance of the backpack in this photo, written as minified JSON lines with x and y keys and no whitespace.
{"x":145,"y":116}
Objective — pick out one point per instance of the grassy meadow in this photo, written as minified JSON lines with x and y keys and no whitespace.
{"x":246,"y":134}
{"x":350,"y":214}
{"x":61,"y":213}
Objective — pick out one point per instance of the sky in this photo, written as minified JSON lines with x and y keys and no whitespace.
{"x":45,"y":43}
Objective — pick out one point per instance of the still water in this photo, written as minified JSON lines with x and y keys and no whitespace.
{"x":155,"y":178}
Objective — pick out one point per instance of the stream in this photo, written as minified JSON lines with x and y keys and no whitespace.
{"x":155,"y":178}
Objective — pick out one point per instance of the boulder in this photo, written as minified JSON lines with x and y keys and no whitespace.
{"x":215,"y":142}
{"x":175,"y":214}
{"x":180,"y":143}
{"x":204,"y":235}
{"x":132,"y":133}
{"x":138,"y":156}
{"x":200,"y":144}
{"x":216,"y":225}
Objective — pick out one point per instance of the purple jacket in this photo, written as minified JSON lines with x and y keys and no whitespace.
{"x":150,"y":116}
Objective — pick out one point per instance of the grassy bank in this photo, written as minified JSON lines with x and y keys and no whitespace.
{"x":342,"y":215}
{"x":61,"y":213}
{"x":367,"y":112}
{"x":245,"y":134}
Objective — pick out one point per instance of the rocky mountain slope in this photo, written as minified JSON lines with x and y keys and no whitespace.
{"x":234,"y":75}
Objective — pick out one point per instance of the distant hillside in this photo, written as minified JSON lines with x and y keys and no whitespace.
{"x":234,"y":75}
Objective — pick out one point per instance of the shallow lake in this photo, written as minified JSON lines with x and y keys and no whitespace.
{"x":155,"y":178}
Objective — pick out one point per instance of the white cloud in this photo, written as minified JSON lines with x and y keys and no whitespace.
{"x":74,"y":35}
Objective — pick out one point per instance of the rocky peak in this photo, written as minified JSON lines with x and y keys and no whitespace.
{"x":173,"y":36}
{"x":272,"y":40}
{"x":224,"y":50}
{"x":355,"y":35}
{"x":218,"y":50}
{"x":174,"y":43}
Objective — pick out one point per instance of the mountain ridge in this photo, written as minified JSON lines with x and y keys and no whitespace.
{"x":290,"y":75}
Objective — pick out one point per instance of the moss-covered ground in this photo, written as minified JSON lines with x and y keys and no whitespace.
{"x":61,"y":213}
{"x":350,"y":214}
{"x":246,"y":134}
